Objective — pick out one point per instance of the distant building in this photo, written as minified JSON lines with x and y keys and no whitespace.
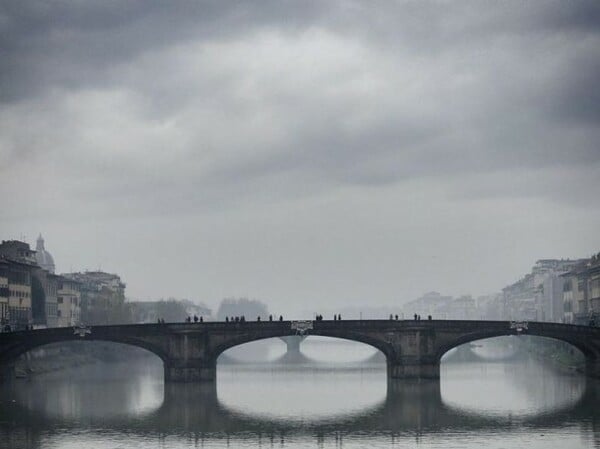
{"x":18,"y":251}
{"x":520,"y":299}
{"x":44,"y":287}
{"x":491,"y":307}
{"x":4,"y":292}
{"x":102,"y":297}
{"x":538,"y":295}
{"x":43,"y":258}
{"x":461,"y":308}
{"x":17,"y":264}
{"x":68,"y":302}
{"x":431,"y":303}
{"x":581,"y":292}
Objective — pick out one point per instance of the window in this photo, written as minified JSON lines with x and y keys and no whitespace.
{"x":568,"y":307}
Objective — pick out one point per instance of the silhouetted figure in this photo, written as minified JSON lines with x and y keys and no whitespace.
{"x":391,"y":317}
{"x":334,"y":317}
{"x":270,"y":317}
{"x":396,"y":317}
{"x":188,"y":320}
{"x":258,"y":318}
{"x":339,"y":317}
{"x":237,"y":319}
{"x":227,"y":319}
{"x":280,"y":318}
{"x":418,"y":317}
{"x":429,"y":317}
{"x":243,"y":318}
{"x":415,"y":317}
{"x":158,"y":321}
{"x":195,"y":318}
{"x":201,"y":319}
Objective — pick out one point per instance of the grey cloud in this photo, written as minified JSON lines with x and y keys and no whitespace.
{"x":493,"y":89}
{"x":72,"y":45}
{"x":577,"y":99}
{"x":67,"y":44}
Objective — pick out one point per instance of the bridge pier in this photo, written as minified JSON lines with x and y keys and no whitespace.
{"x":413,"y":368}
{"x":293,"y":343}
{"x":190,"y":371}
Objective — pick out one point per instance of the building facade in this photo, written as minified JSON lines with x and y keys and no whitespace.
{"x":581,"y":292}
{"x":4,"y":293}
{"x":102,"y":297}
{"x":538,"y":296}
{"x":68,"y":302}
{"x":16,"y":274}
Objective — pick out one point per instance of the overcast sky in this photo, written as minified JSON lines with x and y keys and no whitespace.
{"x":302,"y":153}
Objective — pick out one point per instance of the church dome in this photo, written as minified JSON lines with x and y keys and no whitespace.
{"x":43,"y":258}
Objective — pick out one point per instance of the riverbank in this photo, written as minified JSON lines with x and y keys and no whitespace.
{"x":560,"y":355}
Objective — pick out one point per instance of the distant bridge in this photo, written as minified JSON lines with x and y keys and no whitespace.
{"x":413,"y":349}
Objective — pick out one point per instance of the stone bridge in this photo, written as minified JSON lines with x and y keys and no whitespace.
{"x":413,"y":349}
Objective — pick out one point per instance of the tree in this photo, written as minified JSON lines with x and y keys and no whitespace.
{"x":250,"y":308}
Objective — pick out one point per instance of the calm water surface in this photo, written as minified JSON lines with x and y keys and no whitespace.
{"x":496,"y":405}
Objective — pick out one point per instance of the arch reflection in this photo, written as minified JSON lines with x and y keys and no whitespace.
{"x":408,"y":407}
{"x":520,"y":390}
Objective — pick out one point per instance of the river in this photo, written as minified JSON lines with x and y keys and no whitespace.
{"x":314,"y":405}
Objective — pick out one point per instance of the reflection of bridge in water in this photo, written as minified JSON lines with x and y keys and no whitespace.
{"x":413,"y":349}
{"x":195,"y":410}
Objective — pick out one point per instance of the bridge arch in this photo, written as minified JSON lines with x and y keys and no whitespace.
{"x":302,"y":357}
{"x":587,"y":348}
{"x":16,"y":351}
{"x":105,"y":356}
{"x":15,"y":344}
